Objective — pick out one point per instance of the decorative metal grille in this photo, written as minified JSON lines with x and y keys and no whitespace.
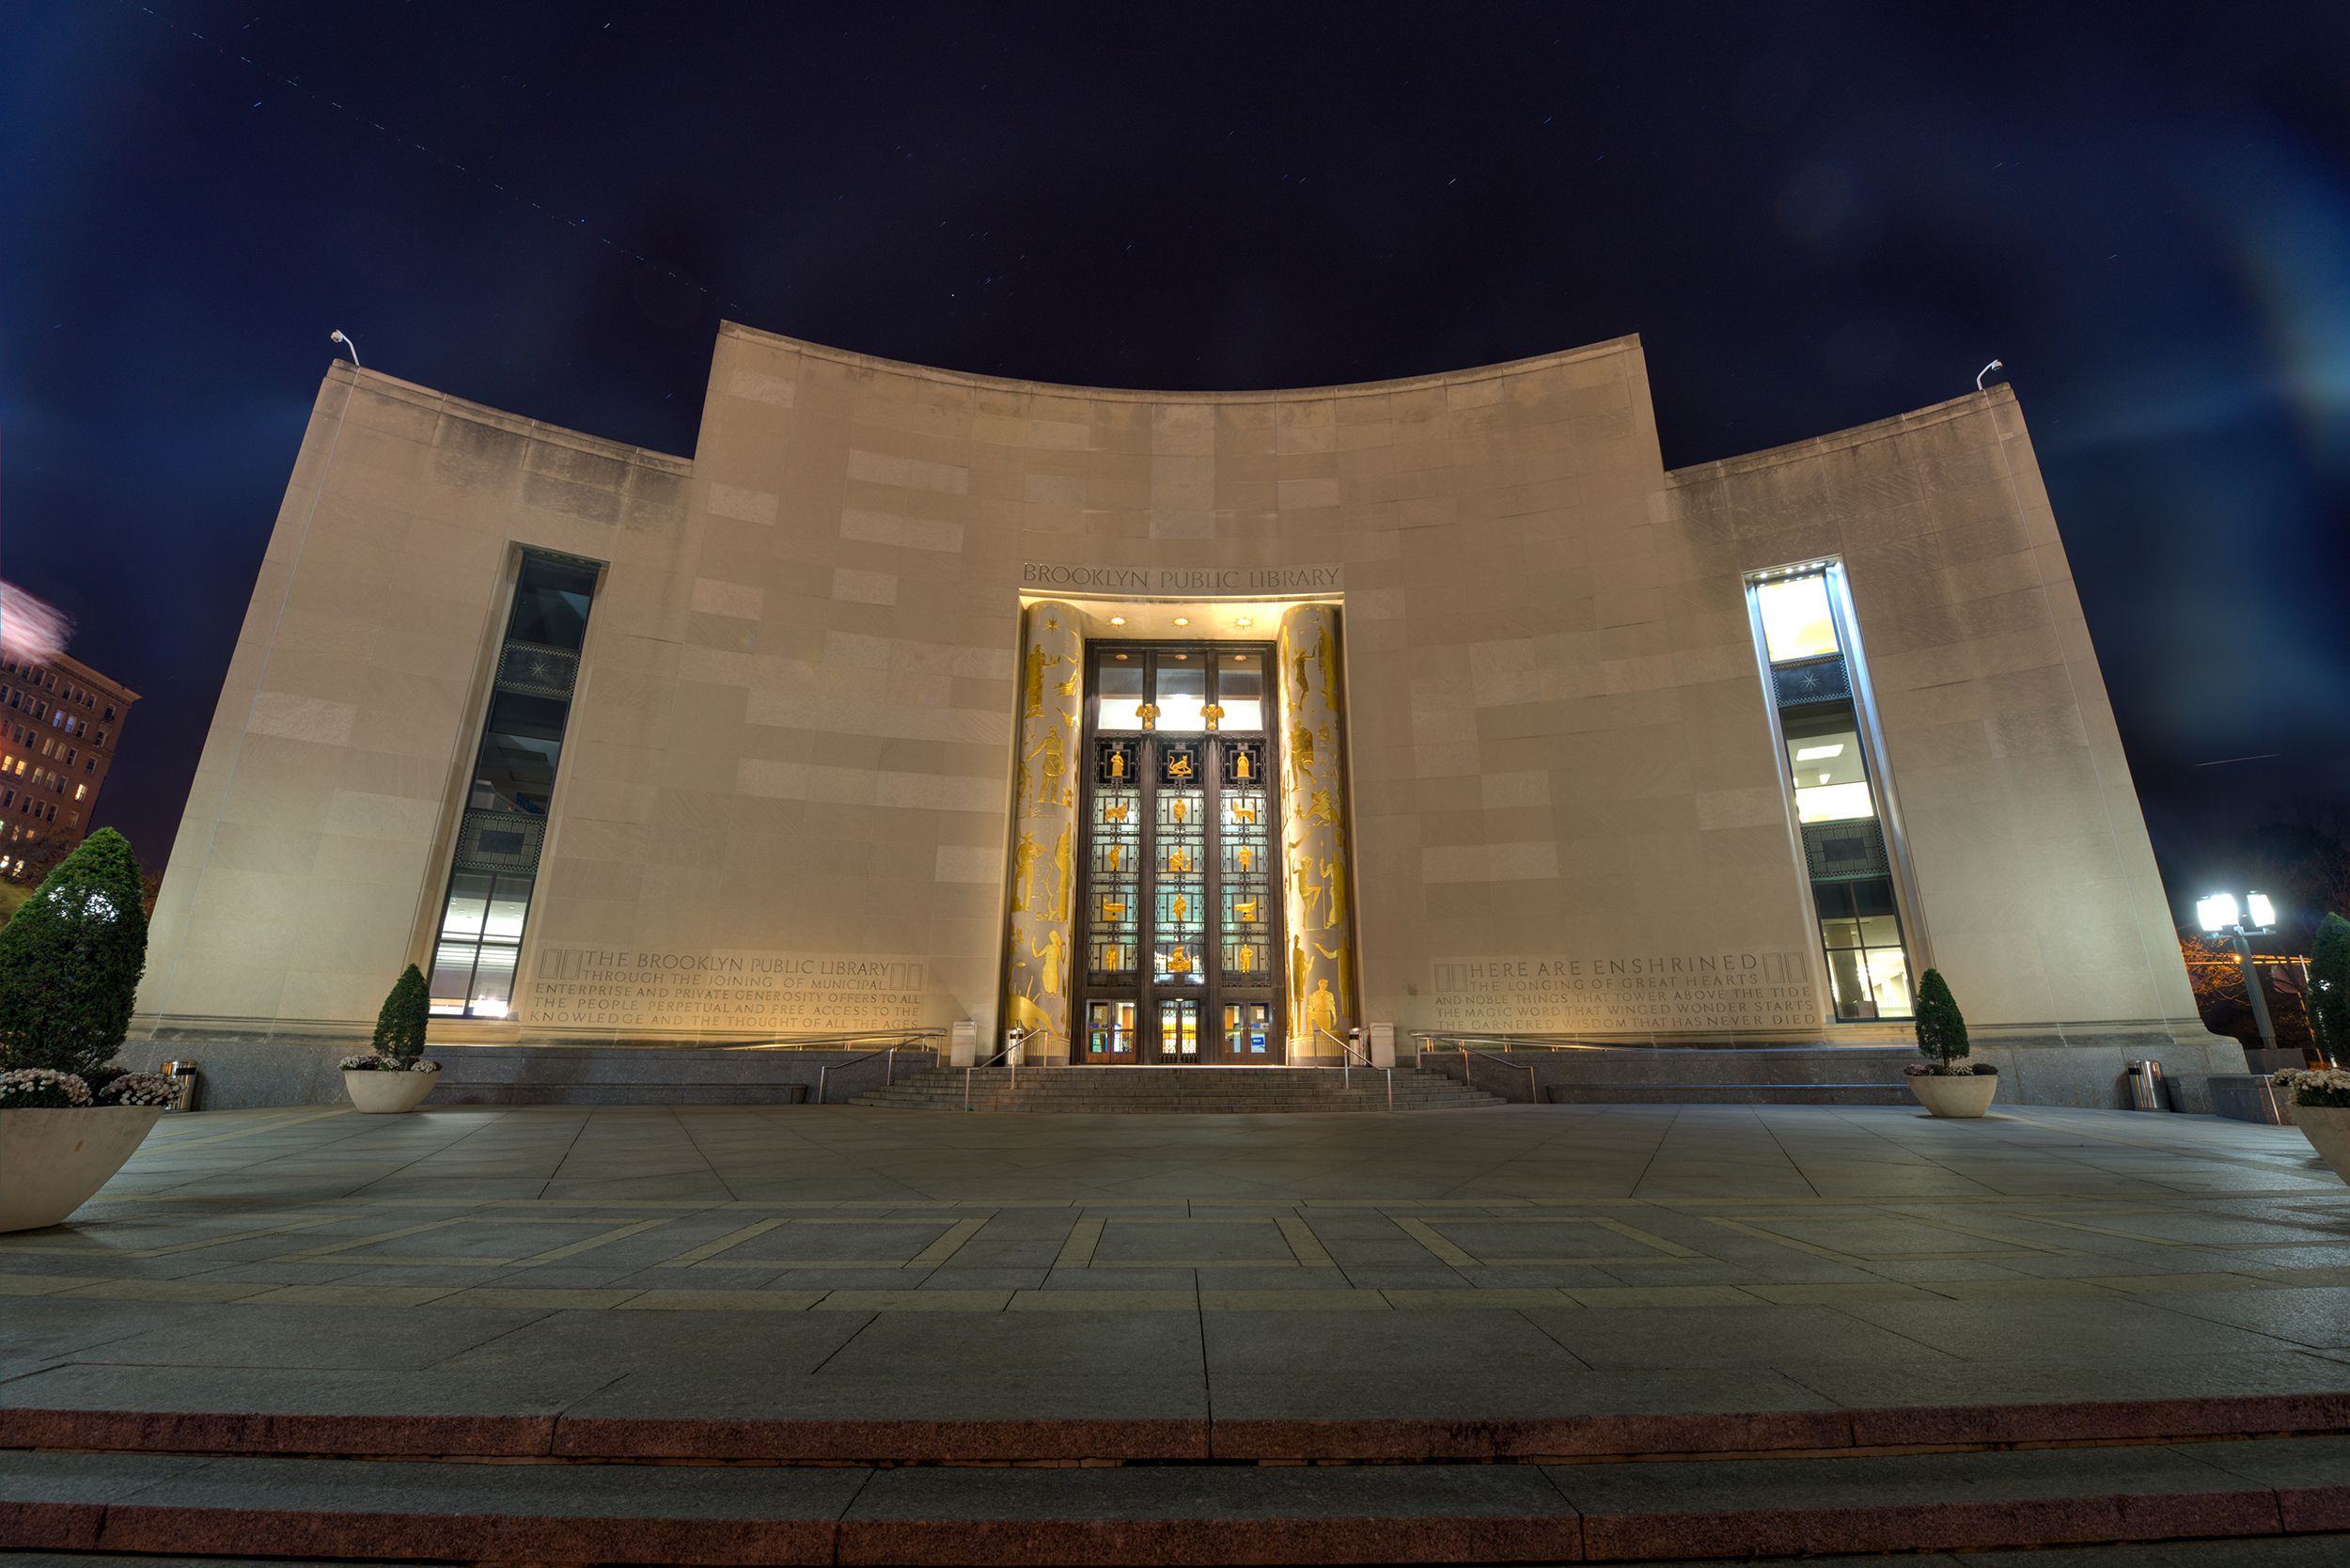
{"x":535,"y":671}
{"x":1844,"y":852}
{"x":499,"y":842}
{"x":1820,"y":680}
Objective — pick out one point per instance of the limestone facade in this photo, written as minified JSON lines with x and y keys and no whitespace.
{"x":786,"y":797}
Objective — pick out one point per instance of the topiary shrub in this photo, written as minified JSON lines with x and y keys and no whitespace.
{"x":2330,"y":987}
{"x":1941,"y":1028}
{"x":400,"y":1027}
{"x":70,"y":962}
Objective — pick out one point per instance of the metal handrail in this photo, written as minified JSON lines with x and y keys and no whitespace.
{"x":1019,"y":1038}
{"x":1455,"y":1040}
{"x":889,"y":1069}
{"x":903,"y":1038}
{"x":1346,"y":1063}
{"x":1533,"y":1090}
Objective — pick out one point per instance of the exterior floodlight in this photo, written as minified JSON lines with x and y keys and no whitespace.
{"x":336,"y":337}
{"x":2218,"y":915}
{"x":1995,"y":364}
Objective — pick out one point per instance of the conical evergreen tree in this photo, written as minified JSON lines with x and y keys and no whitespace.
{"x":70,"y":960}
{"x":400,"y":1027}
{"x":1941,"y":1030}
{"x":2330,"y":987}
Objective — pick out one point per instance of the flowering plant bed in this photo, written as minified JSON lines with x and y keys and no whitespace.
{"x":1944,"y":1080}
{"x":70,"y":966}
{"x":394,"y":1076}
{"x":2321,"y":1108}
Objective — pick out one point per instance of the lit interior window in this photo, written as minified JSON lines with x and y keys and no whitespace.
{"x":1796,"y":620}
{"x":1833,"y":802}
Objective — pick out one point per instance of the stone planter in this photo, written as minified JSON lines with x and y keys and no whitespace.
{"x":1965,"y":1096}
{"x":2327,"y":1128}
{"x":52,"y":1161}
{"x":381,"y":1093}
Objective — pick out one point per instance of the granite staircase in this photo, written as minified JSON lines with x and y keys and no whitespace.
{"x":1166,"y":1090}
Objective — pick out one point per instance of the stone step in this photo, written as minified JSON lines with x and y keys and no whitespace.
{"x":1172,"y":1091}
{"x":371,"y":1508}
{"x":1729,"y":1094}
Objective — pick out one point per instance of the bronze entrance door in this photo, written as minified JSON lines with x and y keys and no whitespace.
{"x":1181,"y":919}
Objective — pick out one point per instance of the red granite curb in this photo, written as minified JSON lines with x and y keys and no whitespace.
{"x":1404,"y":1440}
{"x":231,"y":1432}
{"x":1480,"y":1538}
{"x":880,"y":1441}
{"x":1555,"y":1437}
{"x":536,"y":1537}
{"x":1564,"y":1537}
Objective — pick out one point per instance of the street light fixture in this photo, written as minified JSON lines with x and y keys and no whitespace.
{"x":2220,"y":915}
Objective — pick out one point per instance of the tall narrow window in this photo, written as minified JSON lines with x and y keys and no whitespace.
{"x":502,"y":826}
{"x":1807,"y":642}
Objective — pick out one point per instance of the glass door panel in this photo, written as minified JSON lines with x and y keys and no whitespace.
{"x":1179,"y":1029}
{"x":1110,"y":1034}
{"x":1181,"y":912}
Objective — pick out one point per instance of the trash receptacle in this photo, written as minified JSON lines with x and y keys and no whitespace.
{"x":2147,"y":1089}
{"x":182,"y":1076}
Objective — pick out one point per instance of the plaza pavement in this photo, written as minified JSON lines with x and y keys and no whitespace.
{"x":859,"y":1286}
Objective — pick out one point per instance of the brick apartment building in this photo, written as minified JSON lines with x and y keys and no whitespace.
{"x":61,"y":726}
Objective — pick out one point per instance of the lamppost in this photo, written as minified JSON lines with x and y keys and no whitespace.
{"x":2220,"y":917}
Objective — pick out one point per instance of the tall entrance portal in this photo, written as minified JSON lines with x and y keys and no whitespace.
{"x":1180,"y":867}
{"x":1182,"y":905}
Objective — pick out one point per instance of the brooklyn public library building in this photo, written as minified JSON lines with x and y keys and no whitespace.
{"x":1174,"y":727}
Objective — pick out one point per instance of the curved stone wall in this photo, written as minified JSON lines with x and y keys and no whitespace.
{"x":792,"y":799}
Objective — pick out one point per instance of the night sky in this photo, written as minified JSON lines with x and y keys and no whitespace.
{"x":1815,"y":215}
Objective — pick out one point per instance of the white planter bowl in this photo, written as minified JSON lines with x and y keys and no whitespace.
{"x":2327,"y":1128}
{"x":379,"y":1092}
{"x":1964,"y":1095}
{"x":52,"y":1161}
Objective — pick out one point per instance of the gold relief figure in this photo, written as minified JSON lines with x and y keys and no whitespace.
{"x":1114,"y":857}
{"x":1247,"y":859}
{"x":1113,"y":909}
{"x":1322,"y":1009}
{"x":1061,"y":855}
{"x":1023,"y":873}
{"x":1117,"y":812}
{"x":1327,"y":657}
{"x":1213,"y":714}
{"x":1247,"y":911}
{"x":1308,"y":891}
{"x":1118,"y":764}
{"x":1039,"y":661}
{"x":1179,"y":861}
{"x":1334,"y":873}
{"x":1053,"y":954}
{"x":1302,"y":747}
{"x":1052,"y":759}
{"x":1179,"y":765}
{"x":1322,"y":810}
{"x":1297,"y":976}
{"x":1244,"y":958}
{"x":1243,"y":812}
{"x":1068,"y":687}
{"x":1337,"y":955}
{"x":1177,"y":812}
{"x":1148,"y":714}
{"x":1178,"y":962}
{"x":1180,"y":909}
{"x":1240,"y":767}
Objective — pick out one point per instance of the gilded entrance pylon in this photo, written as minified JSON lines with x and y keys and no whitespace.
{"x":1313,"y":790}
{"x":1045,"y":832}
